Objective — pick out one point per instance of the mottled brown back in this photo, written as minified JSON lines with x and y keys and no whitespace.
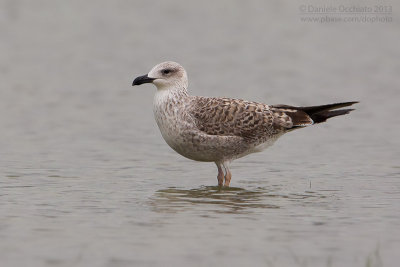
{"x":250,"y":120}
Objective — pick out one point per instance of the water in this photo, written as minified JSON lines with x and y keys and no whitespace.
{"x":86,"y":179}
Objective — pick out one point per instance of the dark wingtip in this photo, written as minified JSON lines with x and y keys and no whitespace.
{"x":352,"y":102}
{"x":316,"y":109}
{"x":324,"y":115}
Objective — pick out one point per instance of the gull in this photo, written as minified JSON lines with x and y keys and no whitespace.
{"x":220,"y":130}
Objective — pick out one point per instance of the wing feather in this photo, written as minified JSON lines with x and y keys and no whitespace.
{"x":236,"y":117}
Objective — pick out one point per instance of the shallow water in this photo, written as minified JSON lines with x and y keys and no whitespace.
{"x":86,"y":179}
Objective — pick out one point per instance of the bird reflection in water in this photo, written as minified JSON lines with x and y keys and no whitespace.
{"x":227,"y":199}
{"x":218,"y":199}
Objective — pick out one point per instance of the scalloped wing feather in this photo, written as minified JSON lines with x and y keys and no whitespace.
{"x":250,"y":120}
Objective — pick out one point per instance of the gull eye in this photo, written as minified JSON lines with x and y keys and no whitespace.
{"x":165,"y":71}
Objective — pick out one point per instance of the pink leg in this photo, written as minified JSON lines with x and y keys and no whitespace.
{"x":228,"y":174}
{"x":220,"y":176}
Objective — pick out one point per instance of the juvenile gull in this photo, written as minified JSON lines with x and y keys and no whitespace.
{"x":220,"y":130}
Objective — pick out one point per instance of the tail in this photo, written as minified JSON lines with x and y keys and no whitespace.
{"x":301,"y":116}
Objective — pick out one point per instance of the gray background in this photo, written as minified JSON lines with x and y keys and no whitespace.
{"x":86,"y":179}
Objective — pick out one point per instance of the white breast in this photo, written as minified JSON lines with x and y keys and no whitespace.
{"x":167,"y":116}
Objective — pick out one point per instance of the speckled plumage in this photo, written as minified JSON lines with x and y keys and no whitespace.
{"x":221,"y":129}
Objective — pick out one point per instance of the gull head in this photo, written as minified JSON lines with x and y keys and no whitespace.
{"x":166,"y":75}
